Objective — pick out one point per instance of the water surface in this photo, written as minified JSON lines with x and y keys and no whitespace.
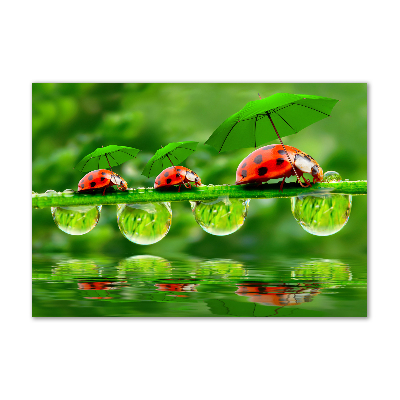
{"x":152,"y":286}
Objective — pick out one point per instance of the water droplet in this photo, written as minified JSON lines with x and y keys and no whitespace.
{"x":222,"y":216}
{"x":332,"y":176}
{"x":329,"y":217}
{"x":50,"y":192}
{"x":68,"y":193}
{"x":76,"y":220}
{"x":145,"y":223}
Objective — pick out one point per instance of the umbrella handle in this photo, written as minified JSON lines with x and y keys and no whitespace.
{"x":284,"y":148}
{"x":108,"y":161}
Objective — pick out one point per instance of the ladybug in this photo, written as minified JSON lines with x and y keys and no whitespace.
{"x":177,"y":176}
{"x":271,"y":162}
{"x":101,"y":178}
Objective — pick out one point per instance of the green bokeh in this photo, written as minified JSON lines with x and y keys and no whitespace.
{"x":71,"y":120}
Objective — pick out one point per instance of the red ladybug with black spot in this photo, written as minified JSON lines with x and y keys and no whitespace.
{"x":101,"y":179}
{"x":271,"y":162}
{"x":177,"y":176}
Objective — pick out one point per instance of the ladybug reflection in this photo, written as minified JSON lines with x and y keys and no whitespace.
{"x":102,"y":285}
{"x":284,"y":295}
{"x":176,"y":287}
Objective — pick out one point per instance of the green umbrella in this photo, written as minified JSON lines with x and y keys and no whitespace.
{"x":106,"y":157}
{"x":259,"y":121}
{"x":172,"y":154}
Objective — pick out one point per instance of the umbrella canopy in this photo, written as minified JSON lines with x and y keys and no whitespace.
{"x":106,"y":157}
{"x":172,"y":154}
{"x":259,"y":121}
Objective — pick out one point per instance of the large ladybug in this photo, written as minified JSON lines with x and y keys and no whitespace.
{"x":271,"y":162}
{"x":177,"y":176}
{"x":99,"y":179}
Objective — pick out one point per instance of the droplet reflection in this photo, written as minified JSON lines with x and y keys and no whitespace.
{"x":222,"y":216}
{"x":145,"y":223}
{"x":76,"y":220}
{"x":322,"y":215}
{"x":332,"y":273}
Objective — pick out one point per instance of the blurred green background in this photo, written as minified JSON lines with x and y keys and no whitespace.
{"x":70,"y":120}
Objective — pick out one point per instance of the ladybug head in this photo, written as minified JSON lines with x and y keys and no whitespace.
{"x":193,"y":177}
{"x":317,"y":173}
{"x":124,"y":185}
{"x":117,"y":180}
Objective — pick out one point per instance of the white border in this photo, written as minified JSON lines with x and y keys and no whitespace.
{"x":202,"y":42}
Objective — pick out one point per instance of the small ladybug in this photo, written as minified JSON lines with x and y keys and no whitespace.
{"x":271,"y":162}
{"x":101,"y":178}
{"x":176,"y":176}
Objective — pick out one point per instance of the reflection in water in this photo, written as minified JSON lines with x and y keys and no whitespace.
{"x":222,"y":216}
{"x":99,"y":286}
{"x":89,"y":277}
{"x":144,"y":265}
{"x":75,"y":269}
{"x":283,"y":295}
{"x":323,"y":214}
{"x":145,"y":223}
{"x":333,"y":273}
{"x":176,"y":287}
{"x":147,"y":285}
{"x":76,"y":220}
{"x":219,"y":268}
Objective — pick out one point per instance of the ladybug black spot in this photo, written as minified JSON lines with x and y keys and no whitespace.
{"x":166,"y":174}
{"x":281,"y":151}
{"x":158,"y":183}
{"x":280,"y":161}
{"x":102,"y":178}
{"x":258,"y":159}
{"x":103,"y":173}
{"x":168,"y":181}
{"x":244,"y":165}
{"x":177,"y":175}
{"x":244,"y":173}
{"x":271,"y":146}
{"x":82,"y":185}
{"x":90,"y":177}
{"x":92,"y":184}
{"x":262,"y":171}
